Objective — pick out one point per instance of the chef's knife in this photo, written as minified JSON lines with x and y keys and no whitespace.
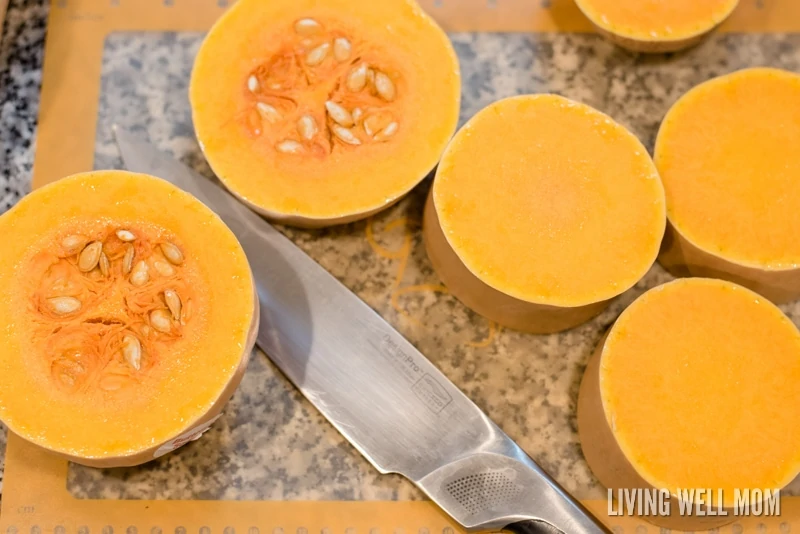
{"x":381,"y":393}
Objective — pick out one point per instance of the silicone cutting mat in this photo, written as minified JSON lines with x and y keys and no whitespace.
{"x":272,"y":464}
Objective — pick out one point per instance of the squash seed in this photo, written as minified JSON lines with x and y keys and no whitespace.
{"x":72,"y":244}
{"x":307,"y":127}
{"x":345,"y":135}
{"x":64,"y":305}
{"x":341,"y":49}
{"x":125,"y":235}
{"x":317,"y":55}
{"x":163,"y":268}
{"x":387,"y":132}
{"x":160,"y":320}
{"x":252,"y":83}
{"x":268,"y":113}
{"x":357,"y":113}
{"x":172,"y":253}
{"x":340,"y":115}
{"x":371,"y":77}
{"x":132,"y":351}
{"x":140,"y":274}
{"x":127,"y":259}
{"x":357,"y":78}
{"x":289,"y":147}
{"x":105,"y":267}
{"x":384,"y":86}
{"x":173,"y":303}
{"x":145,"y":330}
{"x":307,"y":27}
{"x":89,"y":256}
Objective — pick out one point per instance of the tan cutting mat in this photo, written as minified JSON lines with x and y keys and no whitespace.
{"x":272,"y":464}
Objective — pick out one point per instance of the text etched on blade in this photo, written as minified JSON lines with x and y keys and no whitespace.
{"x":427,"y":389}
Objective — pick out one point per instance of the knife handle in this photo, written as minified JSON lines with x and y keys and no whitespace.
{"x":531,"y":526}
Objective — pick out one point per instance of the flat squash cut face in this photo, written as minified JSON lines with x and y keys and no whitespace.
{"x":656,"y":25}
{"x":727,"y":152}
{"x":322,"y":112}
{"x":128,"y":315}
{"x":550,"y":201}
{"x":696,"y":378}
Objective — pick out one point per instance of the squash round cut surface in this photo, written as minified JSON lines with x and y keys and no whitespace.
{"x":318,"y":113}
{"x":692,"y":386}
{"x":656,"y":25}
{"x":727,"y":154}
{"x":550,"y":202}
{"x":129,"y":312}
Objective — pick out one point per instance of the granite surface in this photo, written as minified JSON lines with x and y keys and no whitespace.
{"x":271,"y":443}
{"x":21,"y":51}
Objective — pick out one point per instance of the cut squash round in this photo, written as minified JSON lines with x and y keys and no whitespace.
{"x":656,"y":25}
{"x":541,"y":211}
{"x":323,"y":112}
{"x":129,"y":315}
{"x":727,"y":154}
{"x":690,"y":389}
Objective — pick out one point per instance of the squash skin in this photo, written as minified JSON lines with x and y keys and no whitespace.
{"x":601,"y":448}
{"x":139,"y":448}
{"x":653,"y":45}
{"x":682,"y":257}
{"x":495,"y":305}
{"x":400,"y":169}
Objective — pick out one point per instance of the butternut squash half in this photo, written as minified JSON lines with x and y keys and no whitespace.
{"x":727,"y":152}
{"x":323,"y":112}
{"x":656,"y":25}
{"x":694,"y":387}
{"x":541,"y":211}
{"x":128,"y":315}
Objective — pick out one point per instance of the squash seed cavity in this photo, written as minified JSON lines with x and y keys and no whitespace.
{"x":320,"y":58}
{"x":110,"y":303}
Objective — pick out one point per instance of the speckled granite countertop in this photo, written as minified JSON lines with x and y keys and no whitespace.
{"x":271,"y":444}
{"x":21,"y":51}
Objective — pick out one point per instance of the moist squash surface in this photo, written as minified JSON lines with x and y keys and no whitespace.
{"x":727,"y":153}
{"x":657,"y":25}
{"x":550,"y":201}
{"x":128,"y":316}
{"x":322,"y":112}
{"x":694,"y":378}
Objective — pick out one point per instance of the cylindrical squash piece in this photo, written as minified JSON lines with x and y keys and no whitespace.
{"x":129,"y":313}
{"x":321,"y":112}
{"x":541,"y":211}
{"x":690,"y":389}
{"x":727,"y":154}
{"x":656,"y":25}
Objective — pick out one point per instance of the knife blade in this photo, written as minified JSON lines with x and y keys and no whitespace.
{"x":394,"y":406}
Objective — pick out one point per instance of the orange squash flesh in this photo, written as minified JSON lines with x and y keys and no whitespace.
{"x":102,"y":363}
{"x":689,"y":389}
{"x":727,"y":153}
{"x":656,"y":25}
{"x":531,"y":192}
{"x":318,"y":113}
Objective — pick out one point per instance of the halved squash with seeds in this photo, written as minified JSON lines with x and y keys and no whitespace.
{"x":656,"y":25}
{"x":323,"y":112}
{"x":128,"y":314}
